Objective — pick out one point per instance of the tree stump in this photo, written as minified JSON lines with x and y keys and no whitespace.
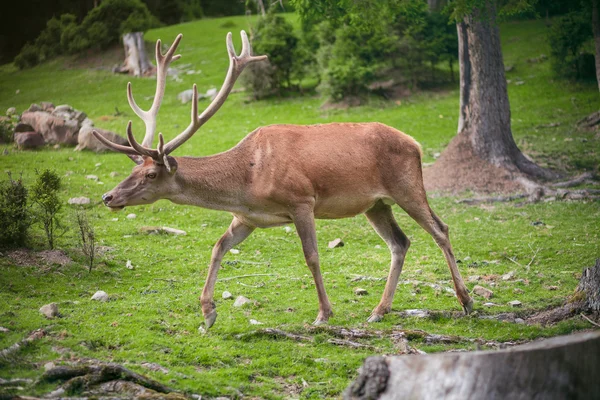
{"x":136,"y":59}
{"x":563,"y":367}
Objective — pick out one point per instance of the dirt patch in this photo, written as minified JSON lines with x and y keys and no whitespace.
{"x":290,"y":388}
{"x":28,"y":258}
{"x":106,"y":59}
{"x":459,"y":169}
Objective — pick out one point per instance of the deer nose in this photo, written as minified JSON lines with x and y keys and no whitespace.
{"x":106,"y":198}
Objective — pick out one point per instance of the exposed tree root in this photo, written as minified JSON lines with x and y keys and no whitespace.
{"x":7,"y":354}
{"x":103,"y":379}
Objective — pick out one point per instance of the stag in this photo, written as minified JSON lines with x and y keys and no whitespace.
{"x":281,"y":174}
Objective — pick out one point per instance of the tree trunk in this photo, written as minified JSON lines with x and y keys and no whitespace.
{"x":136,"y":59}
{"x":596,"y":30}
{"x":563,"y":367}
{"x":484,"y":116}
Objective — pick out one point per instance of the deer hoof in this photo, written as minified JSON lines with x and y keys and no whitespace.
{"x":320,"y":321}
{"x":468,"y":307}
{"x":375,"y":318}
{"x":209,"y":319}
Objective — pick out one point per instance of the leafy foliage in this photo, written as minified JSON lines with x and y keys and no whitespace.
{"x":568,"y":37}
{"x":6,"y":131}
{"x":274,"y":36}
{"x":14,"y":213}
{"x":44,"y":196}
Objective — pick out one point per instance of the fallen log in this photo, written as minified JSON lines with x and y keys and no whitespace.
{"x":563,"y":367}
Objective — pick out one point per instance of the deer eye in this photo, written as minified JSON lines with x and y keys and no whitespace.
{"x":151,"y":175}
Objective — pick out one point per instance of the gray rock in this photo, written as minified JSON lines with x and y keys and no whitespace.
{"x":87,"y":122}
{"x":86,"y":140}
{"x":47,"y":106}
{"x":29,"y":140}
{"x":335,"y":243}
{"x":21,"y":127}
{"x":416,"y":313}
{"x":173,"y":231}
{"x":4,"y":330}
{"x":474,"y":278}
{"x":519,"y":321}
{"x":131,"y":216}
{"x":91,"y":177}
{"x":49,"y":365}
{"x":185,"y":96}
{"x":79,"y":200}
{"x":11,"y":111}
{"x":50,"y":310}
{"x":34,"y":107}
{"x":508,"y":276}
{"x":515,"y":303}
{"x":489,"y":304}
{"x":360,"y":291}
{"x":241,"y":301}
{"x":483,"y":292}
{"x":255,"y":322}
{"x":63,"y":108}
{"x":113,"y":174}
{"x":227,"y":295}
{"x":100,"y":295}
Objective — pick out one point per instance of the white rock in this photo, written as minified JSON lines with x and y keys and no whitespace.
{"x":3,"y":329}
{"x":79,"y":200}
{"x":131,"y":216}
{"x":98,"y":164}
{"x":114,"y":219}
{"x":288,"y":229}
{"x":201,"y":330}
{"x":515,"y":303}
{"x":234,"y":251}
{"x":489,"y":304}
{"x":227,"y":295}
{"x":48,"y":366}
{"x":519,"y":321}
{"x":129,"y":265}
{"x":91,"y":177}
{"x":100,"y":295}
{"x":211,"y":93}
{"x":49,"y":310}
{"x":11,"y":111}
{"x":483,"y":292}
{"x":508,"y":276}
{"x":335,"y":243}
{"x":113,"y":174}
{"x":360,"y":291}
{"x":417,"y":313}
{"x":255,"y":322}
{"x":377,"y":246}
{"x":241,"y":301}
{"x":173,"y":231}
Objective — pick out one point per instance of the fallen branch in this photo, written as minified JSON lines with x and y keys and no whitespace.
{"x":349,"y":343}
{"x":495,"y":199}
{"x":583,"y":178}
{"x":589,"y":320}
{"x":244,"y":276}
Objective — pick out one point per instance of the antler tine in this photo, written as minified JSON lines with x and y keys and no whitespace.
{"x":236,"y":66}
{"x":162,"y":67}
{"x":140,"y":149}
{"x":114,"y":146}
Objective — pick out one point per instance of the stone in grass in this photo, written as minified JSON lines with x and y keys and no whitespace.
{"x":489,"y":304}
{"x":255,"y":322}
{"x":508,"y":276}
{"x":483,"y":292}
{"x":335,"y":243}
{"x":3,"y":329}
{"x":49,"y":310}
{"x":515,"y":303}
{"x":360,"y":291}
{"x":129,"y":265}
{"x":49,"y":365}
{"x":227,"y":295}
{"x":92,"y":177}
{"x":100,"y":295}
{"x":131,"y":216}
{"x":241,"y":301}
{"x":79,"y":200}
{"x":519,"y":321}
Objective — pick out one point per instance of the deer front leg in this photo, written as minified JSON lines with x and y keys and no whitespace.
{"x":236,"y":233}
{"x":305,"y":226}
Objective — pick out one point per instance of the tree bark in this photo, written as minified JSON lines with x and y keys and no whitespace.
{"x":136,"y":59}
{"x":563,"y":367}
{"x":596,"y":30}
{"x":484,"y":116}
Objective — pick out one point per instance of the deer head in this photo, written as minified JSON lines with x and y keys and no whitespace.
{"x":154,"y":176}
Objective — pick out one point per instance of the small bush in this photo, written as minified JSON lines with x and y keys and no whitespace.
{"x":44,"y":196}
{"x":87,"y":238}
{"x":568,"y":37}
{"x":28,"y":57}
{"x":14,"y":213}
{"x":7,"y":131}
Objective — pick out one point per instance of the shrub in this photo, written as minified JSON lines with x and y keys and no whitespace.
{"x":275,"y":37}
{"x":28,"y":57}
{"x":44,"y":196}
{"x":14,"y":214}
{"x":7,"y":131}
{"x":87,"y":238}
{"x":568,"y":37}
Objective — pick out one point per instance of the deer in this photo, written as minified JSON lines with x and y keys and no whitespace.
{"x":284,"y":174}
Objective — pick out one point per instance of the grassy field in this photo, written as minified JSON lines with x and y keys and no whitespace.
{"x":154,"y":312}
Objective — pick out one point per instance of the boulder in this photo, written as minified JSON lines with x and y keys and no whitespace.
{"x":86,"y":140}
{"x":29,"y":140}
{"x":55,"y":130}
{"x":49,"y":310}
{"x":47,"y":106}
{"x":34,"y":107}
{"x":21,"y":127}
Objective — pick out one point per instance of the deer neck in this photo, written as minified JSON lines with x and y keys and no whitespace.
{"x":215,"y":182}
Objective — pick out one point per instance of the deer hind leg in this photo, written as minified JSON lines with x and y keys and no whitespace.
{"x":382,"y":220}
{"x":236,"y":233}
{"x":415,"y":204}
{"x":305,"y":225}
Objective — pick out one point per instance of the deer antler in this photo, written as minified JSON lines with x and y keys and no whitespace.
{"x":236,"y":66}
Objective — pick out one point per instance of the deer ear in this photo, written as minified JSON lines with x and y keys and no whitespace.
{"x":171,"y":164}
{"x":136,"y":159}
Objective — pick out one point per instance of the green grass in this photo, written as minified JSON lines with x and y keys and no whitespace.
{"x":154,"y":311}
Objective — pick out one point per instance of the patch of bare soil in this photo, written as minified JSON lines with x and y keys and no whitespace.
{"x":459,"y":169}
{"x":292,"y":390}
{"x":28,"y":258}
